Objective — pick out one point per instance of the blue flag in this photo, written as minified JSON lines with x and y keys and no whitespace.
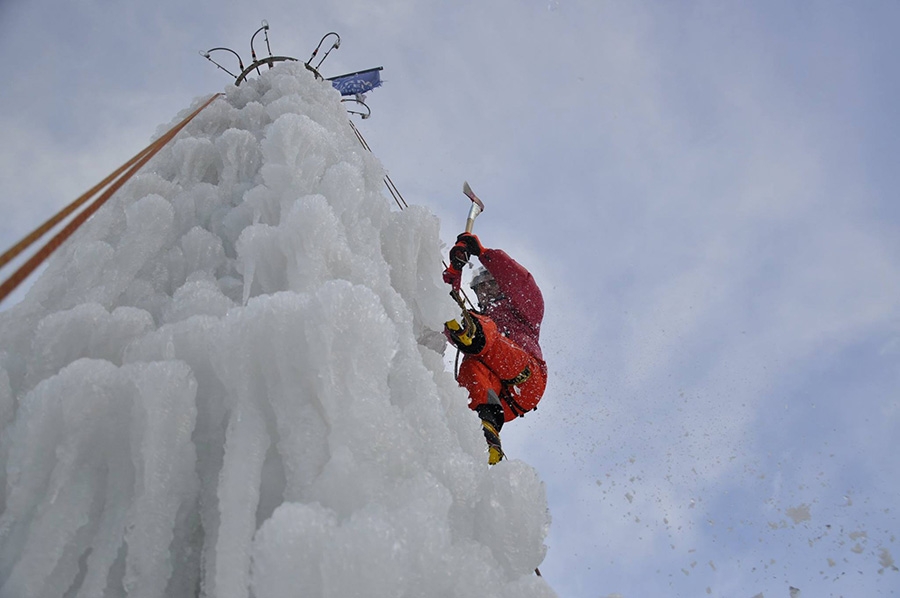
{"x":357,"y":83}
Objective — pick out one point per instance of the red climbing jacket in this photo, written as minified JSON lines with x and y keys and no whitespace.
{"x":518,"y":314}
{"x":511,"y":363}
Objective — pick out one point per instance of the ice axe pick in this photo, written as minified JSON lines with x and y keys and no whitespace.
{"x":476,"y":209}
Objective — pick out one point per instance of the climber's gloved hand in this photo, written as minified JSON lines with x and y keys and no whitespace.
{"x":459,"y":256}
{"x":453,"y":277}
{"x":470,"y":242}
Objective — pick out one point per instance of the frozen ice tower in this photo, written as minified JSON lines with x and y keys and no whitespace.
{"x":217,"y":387}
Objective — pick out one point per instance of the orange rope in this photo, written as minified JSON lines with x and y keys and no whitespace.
{"x":132,"y":166}
{"x":61,"y":215}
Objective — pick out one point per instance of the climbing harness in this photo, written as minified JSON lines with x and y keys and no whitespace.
{"x":506,"y":396}
{"x":114,"y":180}
{"x":523,"y":377}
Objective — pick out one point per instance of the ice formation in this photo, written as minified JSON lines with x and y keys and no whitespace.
{"x":216,"y":388}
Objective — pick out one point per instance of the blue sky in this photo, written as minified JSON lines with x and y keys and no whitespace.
{"x":705,"y":191}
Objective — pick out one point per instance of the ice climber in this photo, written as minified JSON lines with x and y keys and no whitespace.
{"x":503,"y":368}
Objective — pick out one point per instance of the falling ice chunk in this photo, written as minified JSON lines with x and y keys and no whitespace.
{"x":799,"y":513}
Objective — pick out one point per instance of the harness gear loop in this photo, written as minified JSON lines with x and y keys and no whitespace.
{"x":523,"y":376}
{"x":506,"y":395}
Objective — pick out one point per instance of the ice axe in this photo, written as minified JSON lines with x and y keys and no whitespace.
{"x":466,"y":335}
{"x":476,"y":209}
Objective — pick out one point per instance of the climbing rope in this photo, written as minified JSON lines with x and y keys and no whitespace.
{"x":398,"y":198}
{"x":117,"y":178}
{"x":392,"y":188}
{"x":459,"y":296}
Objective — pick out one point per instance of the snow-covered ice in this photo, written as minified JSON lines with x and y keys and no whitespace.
{"x":216,"y":387}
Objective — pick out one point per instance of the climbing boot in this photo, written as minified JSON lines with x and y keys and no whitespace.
{"x":495,"y":452}
{"x":467,"y":336}
{"x":495,"y":455}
